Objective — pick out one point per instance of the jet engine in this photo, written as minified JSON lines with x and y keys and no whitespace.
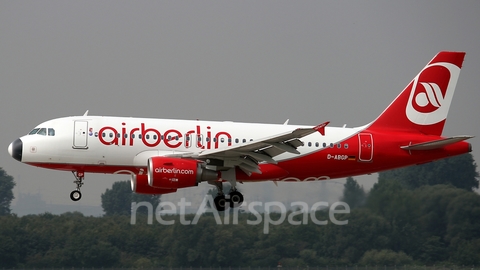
{"x":140,"y":185}
{"x":173,"y":173}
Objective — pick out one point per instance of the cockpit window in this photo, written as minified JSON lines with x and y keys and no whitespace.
{"x":42,"y":131}
{"x":34,"y":131}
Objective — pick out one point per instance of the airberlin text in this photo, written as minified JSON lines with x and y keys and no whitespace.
{"x":274,"y":213}
{"x":173,"y":170}
{"x":171,"y":138}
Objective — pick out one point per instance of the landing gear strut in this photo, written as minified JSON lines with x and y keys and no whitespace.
{"x":220,"y":201}
{"x":76,"y":194}
{"x":236,"y":198}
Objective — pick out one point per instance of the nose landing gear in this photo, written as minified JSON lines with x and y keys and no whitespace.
{"x":76,"y":194}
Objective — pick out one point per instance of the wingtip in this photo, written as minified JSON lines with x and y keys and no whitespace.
{"x":321,"y":128}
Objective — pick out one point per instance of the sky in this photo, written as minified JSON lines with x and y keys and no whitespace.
{"x":246,"y":61}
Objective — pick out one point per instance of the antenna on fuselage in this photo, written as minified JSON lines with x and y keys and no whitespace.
{"x":86,"y":113}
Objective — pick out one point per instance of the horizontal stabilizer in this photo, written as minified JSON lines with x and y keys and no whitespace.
{"x":436,"y":144}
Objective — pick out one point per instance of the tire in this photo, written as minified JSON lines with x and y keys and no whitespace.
{"x":220,"y":203}
{"x":236,"y":199}
{"x":75,"y":195}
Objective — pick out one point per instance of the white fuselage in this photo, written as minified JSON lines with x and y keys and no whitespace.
{"x":129,"y":142}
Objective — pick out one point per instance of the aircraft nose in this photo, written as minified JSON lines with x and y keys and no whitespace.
{"x":15,"y":149}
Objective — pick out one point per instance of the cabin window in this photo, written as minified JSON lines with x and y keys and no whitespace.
{"x":199,"y":140}
{"x":345,"y":146}
{"x":188,"y":140}
{"x":317,"y":144}
{"x":309,"y":144}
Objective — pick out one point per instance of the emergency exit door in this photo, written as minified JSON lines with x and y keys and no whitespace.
{"x":365,"y":142}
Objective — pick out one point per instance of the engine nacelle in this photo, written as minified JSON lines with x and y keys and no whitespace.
{"x":173,"y":173}
{"x":140,"y":185}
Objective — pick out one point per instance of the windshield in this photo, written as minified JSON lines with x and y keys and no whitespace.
{"x":43,"y":131}
{"x":34,"y":131}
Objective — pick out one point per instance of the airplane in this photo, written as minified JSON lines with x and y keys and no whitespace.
{"x":165,"y":155}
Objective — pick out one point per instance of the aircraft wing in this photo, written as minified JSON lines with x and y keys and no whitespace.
{"x":247,"y":155}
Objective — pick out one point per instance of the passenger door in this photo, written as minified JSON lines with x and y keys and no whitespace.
{"x":80,"y":134}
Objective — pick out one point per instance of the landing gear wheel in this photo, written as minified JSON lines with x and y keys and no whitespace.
{"x":75,"y":195}
{"x":220,"y":203}
{"x":236,"y":199}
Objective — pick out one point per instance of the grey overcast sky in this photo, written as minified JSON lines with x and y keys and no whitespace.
{"x":249,"y":61}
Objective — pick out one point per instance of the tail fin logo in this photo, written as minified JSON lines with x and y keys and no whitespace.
{"x":431,"y":94}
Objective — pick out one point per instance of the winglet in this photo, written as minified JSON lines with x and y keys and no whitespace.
{"x":321,"y":128}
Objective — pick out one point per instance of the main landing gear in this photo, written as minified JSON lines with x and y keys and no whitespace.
{"x":76,"y":194}
{"x":221,"y":202}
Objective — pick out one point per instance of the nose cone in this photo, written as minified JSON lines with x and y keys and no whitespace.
{"x":15,"y":149}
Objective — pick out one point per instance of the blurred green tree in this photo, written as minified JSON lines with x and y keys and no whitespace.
{"x":118,"y":200}
{"x":6,"y":192}
{"x":353,"y":194}
{"x":459,"y":171}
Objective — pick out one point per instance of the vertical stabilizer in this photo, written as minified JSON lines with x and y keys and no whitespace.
{"x":423,"y":105}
